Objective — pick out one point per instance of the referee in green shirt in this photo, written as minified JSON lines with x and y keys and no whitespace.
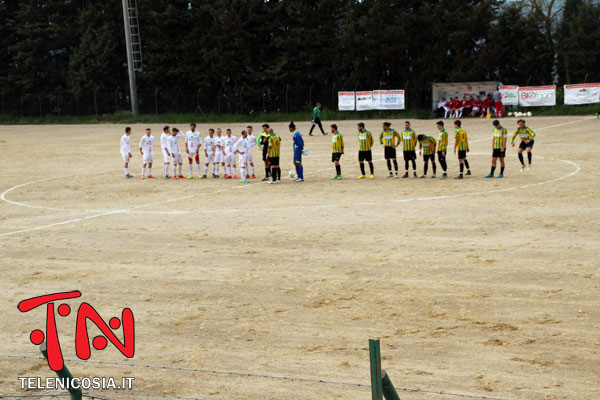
{"x":316,"y":119}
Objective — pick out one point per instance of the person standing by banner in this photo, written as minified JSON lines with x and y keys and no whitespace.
{"x":316,"y":119}
{"x":497,"y":96}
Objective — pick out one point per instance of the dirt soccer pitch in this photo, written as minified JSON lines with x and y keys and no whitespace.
{"x":480,"y":288}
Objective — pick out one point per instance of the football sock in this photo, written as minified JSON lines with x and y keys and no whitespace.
{"x":425,"y":168}
{"x":502,"y":170}
{"x":301,"y":172}
{"x":371,"y":167}
{"x":492,"y":171}
{"x":166,"y":169}
{"x":149,"y":171}
{"x":521,"y":159}
{"x":414,"y":165}
{"x":362,"y":168}
{"x":433,"y":166}
{"x":389,"y":165}
{"x":529,"y":157}
{"x":462,"y":167}
{"x":395,"y":165}
{"x":126,"y":171}
{"x":338,"y":169}
{"x":467,"y":165}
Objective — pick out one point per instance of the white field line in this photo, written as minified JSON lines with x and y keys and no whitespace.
{"x":136,"y":208}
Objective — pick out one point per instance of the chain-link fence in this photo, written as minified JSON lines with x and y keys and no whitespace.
{"x":167,"y":100}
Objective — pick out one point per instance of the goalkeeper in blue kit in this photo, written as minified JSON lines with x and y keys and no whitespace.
{"x":298,"y":144}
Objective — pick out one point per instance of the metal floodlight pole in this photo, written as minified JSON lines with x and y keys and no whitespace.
{"x":130,"y":67}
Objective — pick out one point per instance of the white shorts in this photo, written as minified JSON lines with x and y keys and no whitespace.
{"x":230,"y":159}
{"x":177,"y":159}
{"x":249,"y":158}
{"x":148,"y":158}
{"x":219,"y":157}
{"x":125,"y":157}
{"x":166,"y":156}
{"x":243,"y":159}
{"x":210,"y":158}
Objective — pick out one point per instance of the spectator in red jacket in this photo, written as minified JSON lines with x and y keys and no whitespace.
{"x":486,"y":106}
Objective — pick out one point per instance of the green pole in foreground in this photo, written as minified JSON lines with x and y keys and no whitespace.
{"x":376,"y":383}
{"x":389,"y":391}
{"x":64,"y":374}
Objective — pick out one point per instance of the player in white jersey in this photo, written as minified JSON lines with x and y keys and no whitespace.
{"x":242,"y":147}
{"x":228,"y":143}
{"x":175,"y":152}
{"x":193,"y":142}
{"x":209,"y":151}
{"x":147,"y":152}
{"x":219,"y":153}
{"x":250,"y":158}
{"x":126,"y":151}
{"x":164,"y":145}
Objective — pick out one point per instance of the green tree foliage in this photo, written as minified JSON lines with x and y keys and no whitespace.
{"x":284,"y":55}
{"x":578,"y":38}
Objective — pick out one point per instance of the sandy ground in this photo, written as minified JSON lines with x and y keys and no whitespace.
{"x":487,"y":288}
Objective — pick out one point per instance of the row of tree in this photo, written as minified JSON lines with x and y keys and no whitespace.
{"x":262,"y":54}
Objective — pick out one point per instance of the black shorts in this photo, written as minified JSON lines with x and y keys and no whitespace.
{"x":274,"y":160}
{"x":365,"y":155}
{"x":265,"y":153}
{"x":410,"y":155}
{"x":389,"y":152}
{"x":524,"y":145}
{"x":336,"y":157}
{"x":498,"y":153}
{"x":427,"y":157}
{"x":462,"y":154}
{"x":440,"y":156}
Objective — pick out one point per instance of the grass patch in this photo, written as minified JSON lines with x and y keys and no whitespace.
{"x":329,"y":115}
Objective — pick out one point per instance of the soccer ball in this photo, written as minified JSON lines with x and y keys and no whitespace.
{"x":510,"y":113}
{"x":529,"y":114}
{"x":292,"y":174}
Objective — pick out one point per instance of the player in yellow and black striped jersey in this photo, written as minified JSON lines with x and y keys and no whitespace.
{"x":427,"y":144}
{"x":527,"y":138}
{"x":461,"y":143}
{"x":274,"y":149}
{"x":442,"y":147}
{"x":390,"y":138}
{"x":409,"y":143}
{"x":365,"y":143}
{"x":498,"y":148}
{"x":337,"y":149}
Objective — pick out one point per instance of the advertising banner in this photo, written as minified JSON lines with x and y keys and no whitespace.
{"x":346,"y":101}
{"x":533,"y":96}
{"x":584,"y":93}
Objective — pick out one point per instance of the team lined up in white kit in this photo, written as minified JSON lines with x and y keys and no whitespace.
{"x":218,"y":149}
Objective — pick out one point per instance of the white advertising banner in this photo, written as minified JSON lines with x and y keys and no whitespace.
{"x":388,"y":99}
{"x":534,"y":96}
{"x":364,"y":101}
{"x":510,"y":95}
{"x":584,"y":93}
{"x":346,"y":101}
